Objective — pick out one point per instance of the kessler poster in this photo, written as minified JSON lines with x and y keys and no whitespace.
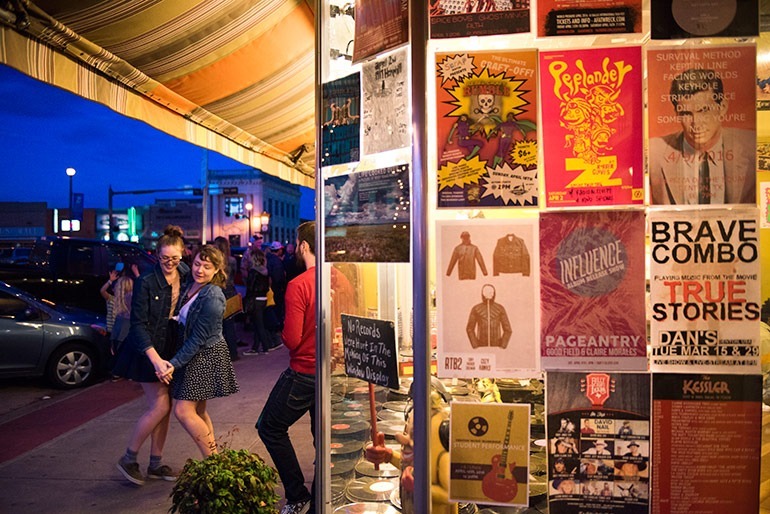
{"x":706,"y":449}
{"x":581,"y":17}
{"x":592,"y":290}
{"x":679,"y":19}
{"x":598,"y":429}
{"x":702,"y":125}
{"x":463,"y":18}
{"x":341,"y":128}
{"x":489,"y":452}
{"x":386,"y":103}
{"x":487,"y":292}
{"x":592,"y":126}
{"x":487,"y":128}
{"x":705,"y":290}
{"x":380,"y":25}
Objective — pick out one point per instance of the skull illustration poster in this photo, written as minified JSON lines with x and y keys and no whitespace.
{"x":341,"y":128}
{"x":386,"y":103}
{"x":487,"y":129}
{"x":581,"y":17}
{"x":592,"y":126}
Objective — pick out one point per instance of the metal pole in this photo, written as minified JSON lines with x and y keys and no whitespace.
{"x":110,"y":194}
{"x":70,"y":215}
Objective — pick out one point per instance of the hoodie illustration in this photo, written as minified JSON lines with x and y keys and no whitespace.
{"x":488,"y":323}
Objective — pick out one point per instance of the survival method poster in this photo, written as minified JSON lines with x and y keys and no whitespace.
{"x":592,"y":126}
{"x":487,"y":128}
{"x":705,"y":290}
{"x":592,"y":290}
{"x":582,"y":17}
{"x":598,"y":442}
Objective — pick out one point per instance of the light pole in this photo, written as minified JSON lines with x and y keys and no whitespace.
{"x":264,"y":220}
{"x":249,"y":207}
{"x":70,"y":173}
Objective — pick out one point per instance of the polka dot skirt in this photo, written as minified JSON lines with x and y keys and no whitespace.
{"x":208,"y":375}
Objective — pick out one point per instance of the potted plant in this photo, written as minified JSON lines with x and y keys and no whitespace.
{"x":231,"y":481}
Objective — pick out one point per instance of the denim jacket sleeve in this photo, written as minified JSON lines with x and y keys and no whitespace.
{"x":204,"y":324}
{"x":139,"y":333}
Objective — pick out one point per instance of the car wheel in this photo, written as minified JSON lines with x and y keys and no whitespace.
{"x":72,"y":365}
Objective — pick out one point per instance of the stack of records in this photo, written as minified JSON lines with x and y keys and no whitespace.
{"x":369,"y":489}
{"x":366,"y":508}
{"x":366,"y":469}
{"x":338,"y":491}
{"x":343,"y":468}
{"x":390,"y":415}
{"x":349,"y":415}
{"x":398,"y":406}
{"x":345,"y":449}
{"x":361,"y":394}
{"x":391,"y":428}
{"x":357,"y":430}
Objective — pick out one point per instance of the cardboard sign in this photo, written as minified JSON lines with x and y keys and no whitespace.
{"x":370,"y":350}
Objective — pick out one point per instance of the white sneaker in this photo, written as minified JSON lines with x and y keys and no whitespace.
{"x":296,"y":508}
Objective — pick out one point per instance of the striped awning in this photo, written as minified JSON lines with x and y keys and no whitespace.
{"x":234,"y":76}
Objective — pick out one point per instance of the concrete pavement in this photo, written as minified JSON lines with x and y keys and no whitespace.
{"x":75,"y":471}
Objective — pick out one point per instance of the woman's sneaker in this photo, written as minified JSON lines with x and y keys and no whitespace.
{"x":162,"y":473}
{"x":130,"y":470}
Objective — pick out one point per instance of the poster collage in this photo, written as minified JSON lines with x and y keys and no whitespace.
{"x":629,"y":272}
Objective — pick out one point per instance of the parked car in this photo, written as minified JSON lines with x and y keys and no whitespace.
{"x":17,"y":255}
{"x":39,"y":338}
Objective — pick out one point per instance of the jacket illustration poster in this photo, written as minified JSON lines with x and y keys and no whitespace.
{"x":487,"y":294}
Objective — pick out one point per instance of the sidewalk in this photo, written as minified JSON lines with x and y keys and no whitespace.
{"x":75,"y":471}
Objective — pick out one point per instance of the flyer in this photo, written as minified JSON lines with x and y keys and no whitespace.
{"x":463,"y":18}
{"x":705,"y":290}
{"x":598,"y":429}
{"x":763,"y":72}
{"x":592,"y":290}
{"x":380,"y":25}
{"x":706,"y":450}
{"x":487,"y":289}
{"x":584,"y":17}
{"x":486,"y":115}
{"x":702,"y":125}
{"x":592,"y":126}
{"x":341,"y":126}
{"x":681,"y":19}
{"x":367,"y":216}
{"x":386,"y":103}
{"x":489,"y":453}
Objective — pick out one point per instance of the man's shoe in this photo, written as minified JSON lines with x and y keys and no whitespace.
{"x":296,"y":508}
{"x":252,"y":352}
{"x":131,"y":472}
{"x":162,"y":473}
{"x":275,"y":347}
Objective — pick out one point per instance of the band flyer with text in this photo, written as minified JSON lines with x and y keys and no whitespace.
{"x":486,"y":110}
{"x":705,"y":290}
{"x":592,"y":126}
{"x":450,"y":18}
{"x":598,"y":429}
{"x":584,"y":17}
{"x":386,"y":103}
{"x":592,"y":290}
{"x":380,"y":25}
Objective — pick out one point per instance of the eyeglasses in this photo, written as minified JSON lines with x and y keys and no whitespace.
{"x":166,"y":258}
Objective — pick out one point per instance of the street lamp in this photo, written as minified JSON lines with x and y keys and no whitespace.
{"x":248,"y":208}
{"x":264,"y":220}
{"x":70,"y":173}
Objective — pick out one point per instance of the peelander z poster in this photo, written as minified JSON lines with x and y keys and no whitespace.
{"x":705,"y":291}
{"x":582,"y":17}
{"x":592,"y":126}
{"x":681,"y":19}
{"x":380,"y":25}
{"x":489,"y":453}
{"x":702,"y":125}
{"x":340,"y":137}
{"x":461,"y":18}
{"x":486,"y":104}
{"x":598,"y":437}
{"x":592,"y":291}
{"x":386,"y":103}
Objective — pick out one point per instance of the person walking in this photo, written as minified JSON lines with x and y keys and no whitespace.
{"x":150,"y":341}
{"x":275,"y":315}
{"x":257,"y":285}
{"x":294,"y":393}
{"x":228,"y":325}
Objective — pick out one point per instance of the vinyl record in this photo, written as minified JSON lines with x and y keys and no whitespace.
{"x":368,"y":489}
{"x":366,"y":469}
{"x":391,"y":428}
{"x":350,"y":405}
{"x":390,"y":415}
{"x":345,"y":447}
{"x":343,"y":468}
{"x":348,"y":430}
{"x":338,"y":490}
{"x":453,"y":382}
{"x":349,"y":415}
{"x":459,"y":390}
{"x":366,"y":508}
{"x":395,"y":498}
{"x":396,"y":406}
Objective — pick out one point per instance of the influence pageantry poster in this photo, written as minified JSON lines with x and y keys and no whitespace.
{"x":486,"y":299}
{"x":462,"y":18}
{"x":680,"y":19}
{"x":707,"y":440}
{"x":386,"y":103}
{"x":598,"y":428}
{"x":582,"y":17}
{"x":487,"y":128}
{"x":592,"y":126}
{"x":592,"y":290}
{"x":705,"y":290}
{"x":702,"y":125}
{"x":380,"y":25}
{"x":340,"y":137}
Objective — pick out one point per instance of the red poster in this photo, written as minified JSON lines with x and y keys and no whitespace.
{"x":706,"y":444}
{"x":580,"y":17}
{"x":702,"y":124}
{"x":380,"y":25}
{"x":592,"y":297}
{"x":592,"y":126}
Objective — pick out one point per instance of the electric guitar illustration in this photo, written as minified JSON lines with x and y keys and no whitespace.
{"x":495,"y":485}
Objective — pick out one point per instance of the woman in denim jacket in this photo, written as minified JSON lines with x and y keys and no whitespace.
{"x":201,"y":368}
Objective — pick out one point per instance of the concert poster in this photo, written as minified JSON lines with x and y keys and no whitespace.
{"x":588,"y":17}
{"x":705,"y":290}
{"x":341,"y":127}
{"x":592,"y":126}
{"x":710,"y":159}
{"x":486,"y":298}
{"x":763,"y":71}
{"x":367,"y":216}
{"x":592,"y":290}
{"x":684,"y":19}
{"x":706,"y":450}
{"x":488,"y":453}
{"x":386,"y":103}
{"x":486,"y":131}
{"x":598,"y":430}
{"x":380,"y":25}
{"x":453,"y":18}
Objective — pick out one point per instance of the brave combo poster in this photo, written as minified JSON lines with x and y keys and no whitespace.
{"x":486,"y":128}
{"x":592,"y":126}
{"x":592,"y":290}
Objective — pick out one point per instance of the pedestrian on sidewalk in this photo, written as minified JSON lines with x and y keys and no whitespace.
{"x":228,"y":325}
{"x":294,"y":393}
{"x":149,"y":342}
{"x":257,"y":286}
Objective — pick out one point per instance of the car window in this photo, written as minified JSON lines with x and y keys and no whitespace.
{"x":12,"y":307}
{"x":129,"y":255}
{"x":82,"y":259}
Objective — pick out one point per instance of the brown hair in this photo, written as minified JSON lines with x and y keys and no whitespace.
{"x":172,"y":236}
{"x":210,"y":253}
{"x":223,"y":244}
{"x":306,"y":232}
{"x":124,"y":288}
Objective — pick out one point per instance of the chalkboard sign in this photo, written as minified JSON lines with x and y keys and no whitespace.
{"x":370,"y":350}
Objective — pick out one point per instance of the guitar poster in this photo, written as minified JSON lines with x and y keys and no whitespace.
{"x":592,"y":290}
{"x":592,"y":126}
{"x":598,"y":429}
{"x":340,"y":137}
{"x":453,"y":18}
{"x":487,"y":129}
{"x":583,"y":17}
{"x":489,"y":453}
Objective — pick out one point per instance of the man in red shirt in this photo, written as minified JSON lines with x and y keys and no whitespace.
{"x":294,"y":393}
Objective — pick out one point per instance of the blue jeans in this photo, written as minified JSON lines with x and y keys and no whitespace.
{"x":292,"y":396}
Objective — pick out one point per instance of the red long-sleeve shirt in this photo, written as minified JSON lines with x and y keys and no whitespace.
{"x":300,"y":322}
